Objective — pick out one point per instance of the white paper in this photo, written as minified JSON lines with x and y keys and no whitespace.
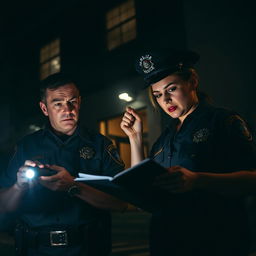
{"x":84,"y":176}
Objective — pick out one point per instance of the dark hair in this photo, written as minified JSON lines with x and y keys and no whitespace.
{"x":53,"y":82}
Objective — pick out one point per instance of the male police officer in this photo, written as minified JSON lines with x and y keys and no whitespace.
{"x":58,"y":215}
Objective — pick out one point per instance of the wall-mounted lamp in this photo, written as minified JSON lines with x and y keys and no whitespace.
{"x":125,"y":96}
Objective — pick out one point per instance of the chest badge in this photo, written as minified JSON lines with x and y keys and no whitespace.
{"x":201,"y":135}
{"x":87,"y":153}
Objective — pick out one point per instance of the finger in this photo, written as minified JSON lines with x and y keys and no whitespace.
{"x":126,"y":124}
{"x":55,"y":168}
{"x":129,"y":116}
{"x":169,"y":175}
{"x":174,"y":168}
{"x":52,"y":178}
{"x":39,"y":164}
{"x":129,"y":120}
{"x":133,"y":112}
{"x":30,"y":163}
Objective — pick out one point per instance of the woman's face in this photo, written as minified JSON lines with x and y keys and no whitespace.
{"x":175,"y":96}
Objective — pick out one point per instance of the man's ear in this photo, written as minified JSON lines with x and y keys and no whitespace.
{"x":43,"y":108}
{"x":79,"y":101}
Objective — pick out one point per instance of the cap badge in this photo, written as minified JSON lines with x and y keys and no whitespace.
{"x":180,"y":65}
{"x":86,"y":153}
{"x":146,"y":64}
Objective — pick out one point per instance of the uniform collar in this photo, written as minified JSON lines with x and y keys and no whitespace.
{"x":48,"y":130}
{"x":200,"y":110}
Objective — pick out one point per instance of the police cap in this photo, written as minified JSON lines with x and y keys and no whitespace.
{"x":155,"y":65}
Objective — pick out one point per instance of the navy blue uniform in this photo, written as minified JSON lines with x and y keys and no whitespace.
{"x":201,"y":223}
{"x":42,"y":208}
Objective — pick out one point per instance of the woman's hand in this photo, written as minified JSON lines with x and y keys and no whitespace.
{"x":131,"y":123}
{"x":177,"y":180}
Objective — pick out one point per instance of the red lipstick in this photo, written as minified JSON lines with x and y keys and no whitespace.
{"x":172,"y":109}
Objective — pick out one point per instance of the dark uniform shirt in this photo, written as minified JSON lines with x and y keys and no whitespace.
{"x":200,"y":222}
{"x":82,"y":152}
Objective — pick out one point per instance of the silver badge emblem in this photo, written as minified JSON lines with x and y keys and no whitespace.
{"x":146,"y":64}
{"x":201,"y":135}
{"x":87,"y":152}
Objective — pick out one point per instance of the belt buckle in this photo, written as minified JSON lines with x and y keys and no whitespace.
{"x":58,"y":238}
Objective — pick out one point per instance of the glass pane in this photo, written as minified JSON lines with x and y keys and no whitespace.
{"x":125,"y":154}
{"x":103,"y":128}
{"x":114,"y":127}
{"x":55,"y":65}
{"x":112,"y":18}
{"x":128,"y":31}
{"x":55,"y":48}
{"x":44,"y":54}
{"x":114,"y":38}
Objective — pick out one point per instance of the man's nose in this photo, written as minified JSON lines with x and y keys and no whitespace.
{"x":68,"y":107}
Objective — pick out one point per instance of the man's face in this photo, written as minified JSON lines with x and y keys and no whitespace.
{"x":62,"y":107}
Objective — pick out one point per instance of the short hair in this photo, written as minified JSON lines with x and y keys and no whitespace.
{"x":53,"y":82}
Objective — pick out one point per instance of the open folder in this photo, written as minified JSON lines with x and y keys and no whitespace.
{"x":134,"y":185}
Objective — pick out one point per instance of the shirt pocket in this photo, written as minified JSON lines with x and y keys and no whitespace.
{"x":90,"y":166}
{"x":195,"y":157}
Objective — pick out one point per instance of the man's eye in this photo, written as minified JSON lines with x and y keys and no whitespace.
{"x":171,"y":89}
{"x":73,"y":102}
{"x":58,"y":104}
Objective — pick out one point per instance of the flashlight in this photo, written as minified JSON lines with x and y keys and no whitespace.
{"x":34,"y":172}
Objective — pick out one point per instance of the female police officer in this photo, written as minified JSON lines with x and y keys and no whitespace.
{"x":202,"y":140}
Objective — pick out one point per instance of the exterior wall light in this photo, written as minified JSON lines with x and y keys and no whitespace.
{"x":125,"y":96}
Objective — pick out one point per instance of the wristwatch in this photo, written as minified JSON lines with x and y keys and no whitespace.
{"x":73,"y":190}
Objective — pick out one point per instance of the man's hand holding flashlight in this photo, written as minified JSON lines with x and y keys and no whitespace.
{"x":61,"y":181}
{"x":24,"y":175}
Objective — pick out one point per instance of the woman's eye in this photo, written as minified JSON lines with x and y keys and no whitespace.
{"x":172,"y":89}
{"x":157,"y":95}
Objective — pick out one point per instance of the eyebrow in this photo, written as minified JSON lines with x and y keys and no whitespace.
{"x":167,"y":85}
{"x":62,"y":99}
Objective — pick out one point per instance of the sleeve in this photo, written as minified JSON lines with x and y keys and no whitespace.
{"x":9,"y":175}
{"x":112,"y":163}
{"x":242,"y":148}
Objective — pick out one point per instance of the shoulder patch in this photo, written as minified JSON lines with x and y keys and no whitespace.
{"x":239,"y":128}
{"x":112,"y":151}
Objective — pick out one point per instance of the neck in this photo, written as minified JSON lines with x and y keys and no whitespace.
{"x":191,"y":109}
{"x":59,"y":133}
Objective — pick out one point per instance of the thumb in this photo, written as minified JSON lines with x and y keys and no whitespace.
{"x":133,"y":112}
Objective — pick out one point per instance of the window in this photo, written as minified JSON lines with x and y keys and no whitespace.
{"x":111,"y":129}
{"x":50,"y":59}
{"x":121,"y":24}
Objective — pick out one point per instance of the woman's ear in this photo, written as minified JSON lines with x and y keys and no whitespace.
{"x":194,"y":82}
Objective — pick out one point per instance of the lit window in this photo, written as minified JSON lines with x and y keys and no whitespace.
{"x":121,"y":24}
{"x":50,"y":59}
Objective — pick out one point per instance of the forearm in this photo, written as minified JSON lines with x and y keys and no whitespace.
{"x":236,"y":183}
{"x":100,"y":199}
{"x":10,"y":198}
{"x":137,"y":152}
